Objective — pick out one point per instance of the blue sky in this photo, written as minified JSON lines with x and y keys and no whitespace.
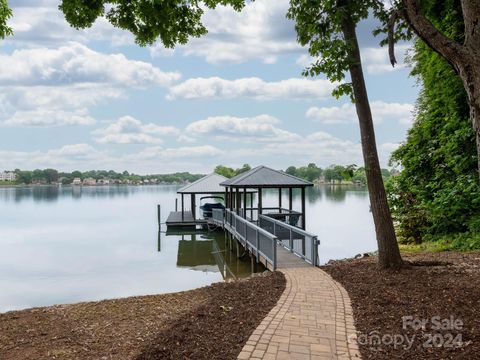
{"x":92,"y":99}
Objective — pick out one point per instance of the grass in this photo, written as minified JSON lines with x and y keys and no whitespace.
{"x":452,"y":242}
{"x":8,"y":183}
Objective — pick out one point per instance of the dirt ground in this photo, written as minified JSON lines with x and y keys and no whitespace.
{"x":213,"y":322}
{"x":443,"y":289}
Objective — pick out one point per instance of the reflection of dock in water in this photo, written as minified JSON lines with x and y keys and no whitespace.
{"x":219,"y":256}
{"x":206,"y":252}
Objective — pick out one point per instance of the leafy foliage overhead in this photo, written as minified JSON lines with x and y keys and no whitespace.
{"x":319,"y":25}
{"x":5,"y":14}
{"x":171,"y":21}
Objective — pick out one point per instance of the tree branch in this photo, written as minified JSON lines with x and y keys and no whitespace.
{"x":446,"y":47}
{"x":391,"y":37}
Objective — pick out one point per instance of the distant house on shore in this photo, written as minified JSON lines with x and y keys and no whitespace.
{"x":8,"y":176}
{"x":89,"y":181}
{"x":103,"y":182}
{"x":77,"y":181}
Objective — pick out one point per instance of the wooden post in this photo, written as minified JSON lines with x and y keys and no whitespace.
{"x":251,"y":205}
{"x":238,"y":201}
{"x":158,"y":216}
{"x":176,"y":204}
{"x":232,"y":200}
{"x":183,"y":211}
{"x":280,"y":199}
{"x":259,"y":201}
{"x":225,"y":200}
{"x":303,"y":208}
{"x":290,"y":198}
{"x":244,"y":203}
{"x":194,"y":206}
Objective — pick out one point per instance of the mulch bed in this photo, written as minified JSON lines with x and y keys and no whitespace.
{"x":445,"y":285}
{"x":213,"y":322}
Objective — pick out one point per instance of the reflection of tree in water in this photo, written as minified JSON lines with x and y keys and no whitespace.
{"x":338,"y":193}
{"x":312,"y":194}
{"x":52,"y":193}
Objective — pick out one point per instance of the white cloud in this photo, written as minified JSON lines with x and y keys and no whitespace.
{"x":75,"y":63}
{"x":128,"y":130}
{"x":67,"y":156}
{"x":44,"y":86}
{"x":41,"y":22}
{"x":258,"y":128}
{"x":160,"y":153}
{"x":346,"y":113}
{"x":260,"y":31}
{"x":49,"y":118}
{"x":305,"y":60}
{"x":377,"y":62}
{"x":256,"y":88}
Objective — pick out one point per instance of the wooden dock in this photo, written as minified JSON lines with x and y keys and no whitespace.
{"x":186,"y":220}
{"x":263,"y":243}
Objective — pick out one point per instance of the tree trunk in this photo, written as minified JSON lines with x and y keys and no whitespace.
{"x":470,"y":75}
{"x":388,"y":251}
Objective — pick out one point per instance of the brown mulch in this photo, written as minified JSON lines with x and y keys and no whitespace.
{"x":446,"y":285}
{"x":213,"y":322}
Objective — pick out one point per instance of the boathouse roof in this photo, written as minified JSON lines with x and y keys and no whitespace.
{"x":209,"y":184}
{"x":265,"y":177}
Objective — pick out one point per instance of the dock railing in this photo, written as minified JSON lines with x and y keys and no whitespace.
{"x":253,"y":237}
{"x":292,"y":238}
{"x":218,"y":216}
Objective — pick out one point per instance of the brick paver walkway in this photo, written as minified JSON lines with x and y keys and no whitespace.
{"x":311,"y":320}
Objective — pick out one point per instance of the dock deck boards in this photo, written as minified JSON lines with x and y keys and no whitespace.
{"x":287,"y":259}
{"x":175,"y":219}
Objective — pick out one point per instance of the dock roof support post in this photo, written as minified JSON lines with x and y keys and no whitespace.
{"x":238,"y":201}
{"x":303,"y":208}
{"x":280,"y":199}
{"x":259,"y":201}
{"x":183,"y":209}
{"x":251,"y":205}
{"x":244,"y":203}
{"x":290,"y":198}
{"x":193,"y":205}
{"x":231,"y":199}
{"x":225,"y":200}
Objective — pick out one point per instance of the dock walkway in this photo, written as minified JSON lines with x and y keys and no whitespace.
{"x":312,"y":320}
{"x":313,"y":317}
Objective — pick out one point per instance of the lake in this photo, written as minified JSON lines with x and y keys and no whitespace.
{"x":69,"y":244}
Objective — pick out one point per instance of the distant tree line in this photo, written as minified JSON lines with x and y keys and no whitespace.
{"x":333,"y":174}
{"x":49,"y":176}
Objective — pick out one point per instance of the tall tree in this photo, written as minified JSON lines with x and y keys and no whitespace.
{"x":328,"y":27}
{"x":463,"y":55}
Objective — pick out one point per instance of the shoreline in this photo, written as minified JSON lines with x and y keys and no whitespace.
{"x":212,"y":322}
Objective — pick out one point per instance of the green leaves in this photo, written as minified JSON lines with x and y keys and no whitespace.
{"x":319,"y":26}
{"x":437,"y":192}
{"x":5,"y":14}
{"x":170,"y":21}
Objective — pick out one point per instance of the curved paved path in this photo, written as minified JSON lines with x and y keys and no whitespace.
{"x":311,"y":320}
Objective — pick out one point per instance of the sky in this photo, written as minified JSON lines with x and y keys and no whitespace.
{"x":93,"y":99}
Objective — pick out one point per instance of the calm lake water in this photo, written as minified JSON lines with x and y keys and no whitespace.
{"x":69,"y":244}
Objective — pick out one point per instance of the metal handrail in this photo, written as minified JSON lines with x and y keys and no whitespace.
{"x":312,"y":257}
{"x":297,"y":229}
{"x":235,"y":221}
